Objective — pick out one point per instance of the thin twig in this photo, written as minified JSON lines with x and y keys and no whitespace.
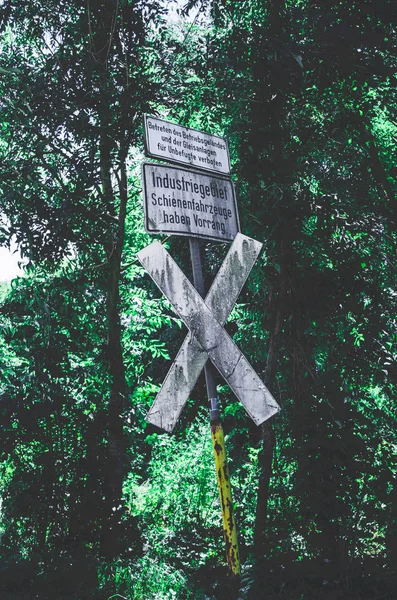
{"x":112,"y":30}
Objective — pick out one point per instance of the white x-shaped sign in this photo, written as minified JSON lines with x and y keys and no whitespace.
{"x":207,"y":337}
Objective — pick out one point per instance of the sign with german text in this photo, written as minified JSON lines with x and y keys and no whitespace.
{"x":175,"y":143}
{"x":185,"y":202}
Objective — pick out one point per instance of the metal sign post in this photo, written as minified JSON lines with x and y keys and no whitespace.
{"x":218,"y":438}
{"x":191,"y":203}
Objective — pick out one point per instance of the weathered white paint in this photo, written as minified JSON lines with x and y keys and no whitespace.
{"x":207,"y":337}
{"x":191,"y":358}
{"x":175,"y":143}
{"x":184,"y":202}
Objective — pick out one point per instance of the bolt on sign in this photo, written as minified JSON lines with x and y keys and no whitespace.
{"x":175,"y":143}
{"x":191,"y":203}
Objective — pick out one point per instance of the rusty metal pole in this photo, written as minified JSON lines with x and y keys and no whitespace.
{"x":218,"y":439}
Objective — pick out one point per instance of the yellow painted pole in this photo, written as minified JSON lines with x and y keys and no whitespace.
{"x":225,"y":495}
{"x":218,"y":439}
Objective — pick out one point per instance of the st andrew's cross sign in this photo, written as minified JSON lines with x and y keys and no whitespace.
{"x":207,"y":337}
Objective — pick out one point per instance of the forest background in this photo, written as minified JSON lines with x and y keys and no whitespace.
{"x":96,"y":503}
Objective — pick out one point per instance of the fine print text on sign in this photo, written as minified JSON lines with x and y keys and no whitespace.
{"x":176,"y":143}
{"x":190,"y":203}
{"x":207,"y":338}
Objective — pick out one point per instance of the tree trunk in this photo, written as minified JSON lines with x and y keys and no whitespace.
{"x":116,"y":443}
{"x":268,"y":437}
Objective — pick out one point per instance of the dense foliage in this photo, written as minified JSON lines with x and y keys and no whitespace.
{"x":95,"y":503}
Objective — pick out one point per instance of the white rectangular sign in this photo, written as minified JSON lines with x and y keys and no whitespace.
{"x":176,"y":143}
{"x":185,"y":202}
